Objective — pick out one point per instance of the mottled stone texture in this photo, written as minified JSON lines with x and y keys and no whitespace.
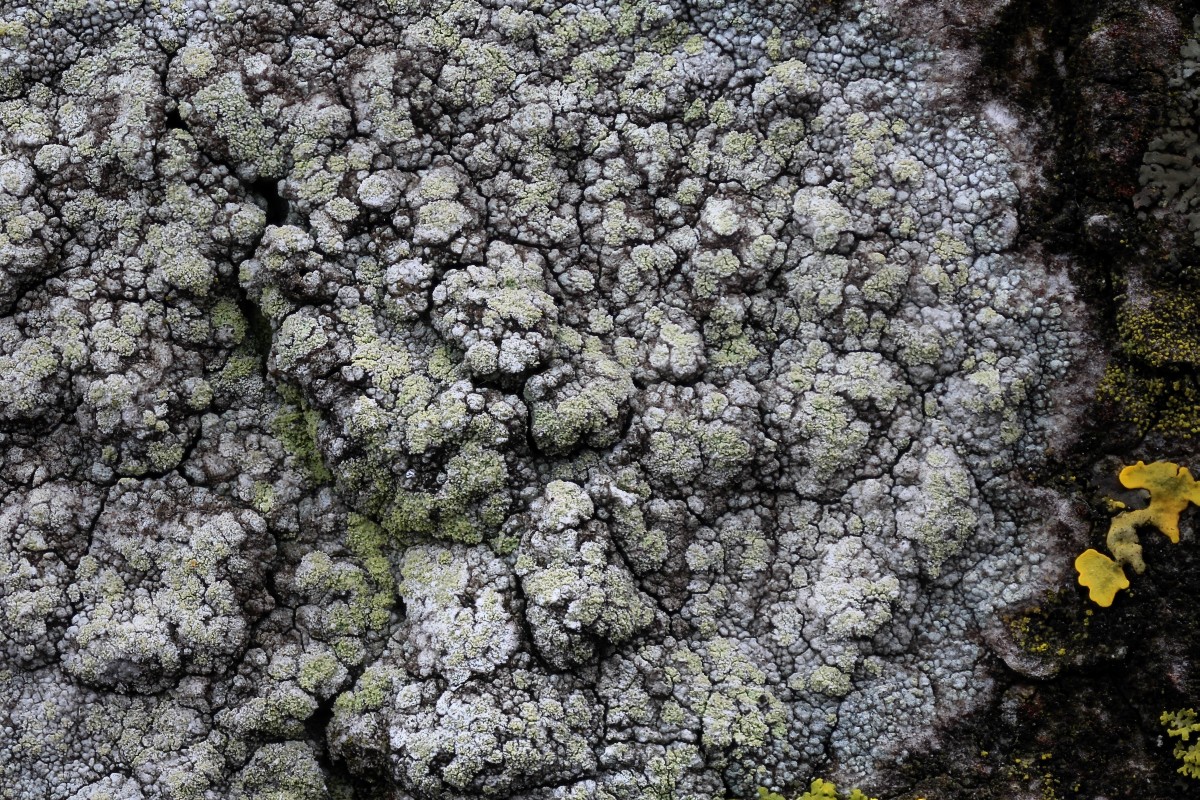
{"x":423,"y":399}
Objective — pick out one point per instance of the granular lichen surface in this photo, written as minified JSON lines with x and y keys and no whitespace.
{"x":436,"y":399}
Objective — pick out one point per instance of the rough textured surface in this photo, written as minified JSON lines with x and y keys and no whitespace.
{"x":430,"y":399}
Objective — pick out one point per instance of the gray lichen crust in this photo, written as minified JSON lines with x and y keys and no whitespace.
{"x":426,"y":399}
{"x":1168,"y":170}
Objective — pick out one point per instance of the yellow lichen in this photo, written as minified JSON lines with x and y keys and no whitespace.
{"x":1171,"y":489}
{"x":1183,"y":724}
{"x":819,"y":790}
{"x":1102,"y":576}
{"x":1161,"y":329}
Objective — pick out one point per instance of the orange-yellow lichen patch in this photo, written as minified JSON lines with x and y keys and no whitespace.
{"x":1102,"y":576}
{"x":1171,"y":488}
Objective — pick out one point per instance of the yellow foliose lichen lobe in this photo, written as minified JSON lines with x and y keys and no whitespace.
{"x":1102,"y":576}
{"x":1171,"y":488}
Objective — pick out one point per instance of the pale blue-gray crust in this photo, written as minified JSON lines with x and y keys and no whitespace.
{"x":445,"y":399}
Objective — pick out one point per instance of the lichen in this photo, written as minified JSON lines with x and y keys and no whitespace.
{"x":819,"y":789}
{"x":1102,"y":576}
{"x":1182,"y":724}
{"x":596,"y":400}
{"x":297,"y":430}
{"x":1171,"y":489}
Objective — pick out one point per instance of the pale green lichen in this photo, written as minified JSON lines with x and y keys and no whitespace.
{"x":241,"y":125}
{"x":298,"y":430}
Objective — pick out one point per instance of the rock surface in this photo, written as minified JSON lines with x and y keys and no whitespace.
{"x":421,"y":399}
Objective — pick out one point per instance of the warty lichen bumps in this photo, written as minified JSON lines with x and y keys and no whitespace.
{"x":541,"y":401}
